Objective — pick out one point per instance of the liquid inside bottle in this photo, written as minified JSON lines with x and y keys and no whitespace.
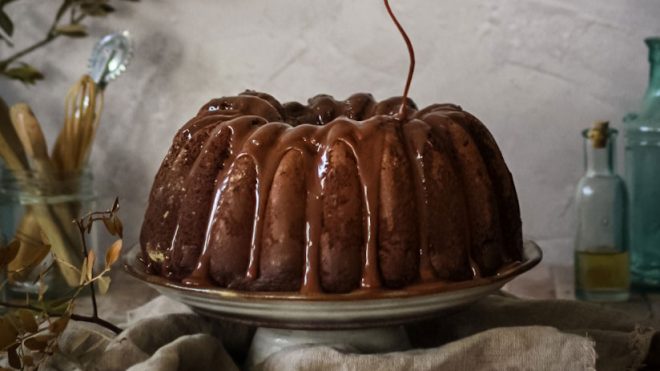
{"x":602,"y":274}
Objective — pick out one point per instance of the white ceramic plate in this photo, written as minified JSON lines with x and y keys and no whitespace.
{"x":292,"y":310}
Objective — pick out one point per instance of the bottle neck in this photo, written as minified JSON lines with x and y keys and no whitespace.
{"x":652,"y":97}
{"x":599,"y":160}
{"x":654,"y":78}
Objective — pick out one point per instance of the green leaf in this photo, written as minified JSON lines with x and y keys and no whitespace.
{"x":13,"y":358}
{"x":114,"y":225}
{"x":28,"y":321}
{"x":8,"y":42}
{"x":107,"y":8}
{"x":72,"y":30}
{"x":103,"y":284}
{"x":6,"y":24}
{"x":115,"y":205}
{"x":9,"y":252}
{"x":38,"y":343}
{"x":118,"y":226}
{"x":109,"y":225}
{"x":96,"y":9}
{"x":59,"y":324}
{"x":5,"y":2}
{"x":25,"y":73}
{"x":62,"y":9}
{"x":58,"y":306}
{"x":83,"y":272}
{"x":113,"y":253}
{"x":27,"y":360}
{"x":91,"y":257}
{"x":8,"y":333}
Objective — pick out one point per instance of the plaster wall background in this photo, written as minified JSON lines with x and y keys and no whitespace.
{"x":535,"y":71}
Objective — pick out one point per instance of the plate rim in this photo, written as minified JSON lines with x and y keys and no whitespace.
{"x":532,"y":255}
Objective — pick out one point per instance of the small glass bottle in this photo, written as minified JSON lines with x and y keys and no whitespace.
{"x":601,"y":255}
{"x":36,"y":214}
{"x":642,"y":156}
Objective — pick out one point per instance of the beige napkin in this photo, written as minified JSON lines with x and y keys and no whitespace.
{"x":513,"y":348}
{"x":497,"y":333}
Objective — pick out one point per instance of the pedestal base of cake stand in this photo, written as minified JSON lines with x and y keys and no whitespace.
{"x":268,"y":341}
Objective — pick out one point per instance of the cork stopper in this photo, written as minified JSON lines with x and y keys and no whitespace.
{"x":598,"y":134}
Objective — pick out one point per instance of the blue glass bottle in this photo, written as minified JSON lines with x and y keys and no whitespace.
{"x":642,"y":160}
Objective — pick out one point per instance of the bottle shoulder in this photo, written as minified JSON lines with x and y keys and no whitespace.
{"x":600,"y":186}
{"x":647,"y":119}
{"x":597,"y":178}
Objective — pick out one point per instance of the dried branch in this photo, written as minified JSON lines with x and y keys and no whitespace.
{"x":76,"y":317}
{"x":23,"y":336}
{"x":11,"y":67}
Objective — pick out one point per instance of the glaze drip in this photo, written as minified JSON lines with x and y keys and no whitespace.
{"x":384,"y":202}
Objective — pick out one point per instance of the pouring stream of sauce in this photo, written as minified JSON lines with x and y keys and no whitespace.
{"x":411,"y":53}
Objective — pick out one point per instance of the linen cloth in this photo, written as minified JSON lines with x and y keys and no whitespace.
{"x":496,"y":333}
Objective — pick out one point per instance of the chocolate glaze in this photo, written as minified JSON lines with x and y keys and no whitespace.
{"x":332,"y":196}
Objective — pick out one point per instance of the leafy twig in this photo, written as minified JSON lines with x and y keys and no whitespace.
{"x":51,"y":35}
{"x":76,"y":317}
{"x":78,"y":11}
{"x":28,"y":333}
{"x":81,"y":227}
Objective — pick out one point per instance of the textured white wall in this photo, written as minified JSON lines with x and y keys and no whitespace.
{"x":535,"y":71}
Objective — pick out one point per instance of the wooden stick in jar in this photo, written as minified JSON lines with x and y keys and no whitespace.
{"x":32,"y":138}
{"x":11,"y":149}
{"x":83,"y":106}
{"x":50,"y":219}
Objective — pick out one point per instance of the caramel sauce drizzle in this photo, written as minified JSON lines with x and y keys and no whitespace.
{"x":417,"y":132}
{"x":360,"y":123}
{"x":411,"y":53}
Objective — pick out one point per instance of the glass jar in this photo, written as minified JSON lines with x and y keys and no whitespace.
{"x":601,"y":255}
{"x":36,"y":213}
{"x":642,"y":156}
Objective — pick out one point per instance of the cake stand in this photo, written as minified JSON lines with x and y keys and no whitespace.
{"x":368,"y":323}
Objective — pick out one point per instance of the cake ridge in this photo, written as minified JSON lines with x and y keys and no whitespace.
{"x":256,"y":126}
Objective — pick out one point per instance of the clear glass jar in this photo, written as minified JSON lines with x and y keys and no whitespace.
{"x":37,"y":212}
{"x":602,"y":270}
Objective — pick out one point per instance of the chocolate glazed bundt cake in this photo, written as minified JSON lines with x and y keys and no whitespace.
{"x":330,"y":197}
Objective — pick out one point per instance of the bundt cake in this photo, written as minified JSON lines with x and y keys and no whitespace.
{"x":330,"y":197}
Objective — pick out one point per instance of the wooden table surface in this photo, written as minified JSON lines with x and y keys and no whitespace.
{"x":551,"y":281}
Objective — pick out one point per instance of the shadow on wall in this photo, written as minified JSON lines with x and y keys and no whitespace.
{"x":138,"y":127}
